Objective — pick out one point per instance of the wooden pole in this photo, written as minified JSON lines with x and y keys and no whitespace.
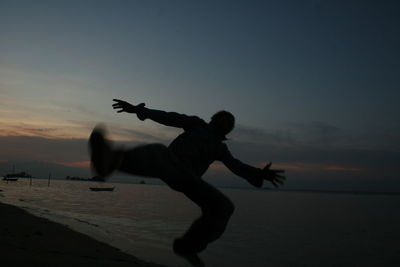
{"x":48,"y":181}
{"x":30,"y":181}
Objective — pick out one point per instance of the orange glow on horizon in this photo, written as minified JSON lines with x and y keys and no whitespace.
{"x":300,"y":166}
{"x":65,"y":131}
{"x":341,"y":168}
{"x":79,"y":164}
{"x":43,"y":129}
{"x":294,"y":166}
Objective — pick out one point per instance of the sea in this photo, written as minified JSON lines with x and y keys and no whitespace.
{"x":268,"y":228}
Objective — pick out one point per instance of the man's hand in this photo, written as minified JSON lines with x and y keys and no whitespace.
{"x":124,"y":106}
{"x":274,"y":176}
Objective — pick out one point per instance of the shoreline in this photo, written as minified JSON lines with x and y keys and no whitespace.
{"x":28,"y":239}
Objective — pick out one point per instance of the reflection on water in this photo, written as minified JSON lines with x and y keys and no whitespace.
{"x":140,"y":219}
{"x":267,"y":229}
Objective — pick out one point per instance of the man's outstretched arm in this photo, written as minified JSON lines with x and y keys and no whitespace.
{"x":255,"y":176}
{"x":172,"y":119}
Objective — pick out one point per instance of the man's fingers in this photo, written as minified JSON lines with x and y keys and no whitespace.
{"x":266,"y":168}
{"x":281,"y":176}
{"x":119,"y":111}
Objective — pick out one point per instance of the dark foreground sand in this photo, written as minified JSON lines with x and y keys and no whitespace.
{"x":29,"y":240}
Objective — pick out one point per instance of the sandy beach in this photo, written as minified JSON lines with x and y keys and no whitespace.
{"x":30,"y":240}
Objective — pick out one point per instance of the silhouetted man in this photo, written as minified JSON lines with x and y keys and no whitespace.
{"x":181,"y":165}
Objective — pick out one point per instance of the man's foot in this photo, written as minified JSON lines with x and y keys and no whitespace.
{"x":188,"y":252}
{"x":103,"y":159}
{"x":193,"y":259}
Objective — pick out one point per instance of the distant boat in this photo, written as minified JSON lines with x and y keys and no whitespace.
{"x":97,"y":189}
{"x":13,"y":179}
{"x":76,"y":178}
{"x":15,"y":176}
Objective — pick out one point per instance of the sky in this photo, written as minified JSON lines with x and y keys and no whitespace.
{"x":314,"y":85}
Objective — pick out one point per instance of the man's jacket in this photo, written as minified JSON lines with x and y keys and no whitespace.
{"x":199,"y":145}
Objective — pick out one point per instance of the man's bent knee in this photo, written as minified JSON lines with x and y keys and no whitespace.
{"x":157,"y":146}
{"x":222,"y":210}
{"x":227,"y":208}
{"x":230,"y":208}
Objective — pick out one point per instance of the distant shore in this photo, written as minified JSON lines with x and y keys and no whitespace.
{"x":30,"y":240}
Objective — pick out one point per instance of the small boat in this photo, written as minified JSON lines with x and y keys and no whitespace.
{"x":10,"y":179}
{"x":15,"y":176}
{"x":97,"y":189}
{"x":76,"y":178}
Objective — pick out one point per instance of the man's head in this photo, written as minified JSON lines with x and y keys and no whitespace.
{"x":223,"y":121}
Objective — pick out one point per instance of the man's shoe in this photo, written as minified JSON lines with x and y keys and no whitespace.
{"x":189,"y":252}
{"x":103,"y":159}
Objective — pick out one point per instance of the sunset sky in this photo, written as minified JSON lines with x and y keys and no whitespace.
{"x":314,"y":85}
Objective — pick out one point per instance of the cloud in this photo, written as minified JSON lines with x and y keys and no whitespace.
{"x":56,"y":150}
{"x":126,"y":134}
{"x":312,"y":134}
{"x":42,"y":149}
{"x":59,"y":130}
{"x":30,"y":131}
{"x":317,"y":133}
{"x":321,"y":135}
{"x":341,"y":156}
{"x":318,"y":150}
{"x":259,"y":135}
{"x":303,"y":159}
{"x":315,"y":167}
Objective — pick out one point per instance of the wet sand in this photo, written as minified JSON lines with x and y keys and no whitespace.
{"x":29,"y":240}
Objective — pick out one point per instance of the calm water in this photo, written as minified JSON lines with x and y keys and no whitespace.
{"x":267,"y":229}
